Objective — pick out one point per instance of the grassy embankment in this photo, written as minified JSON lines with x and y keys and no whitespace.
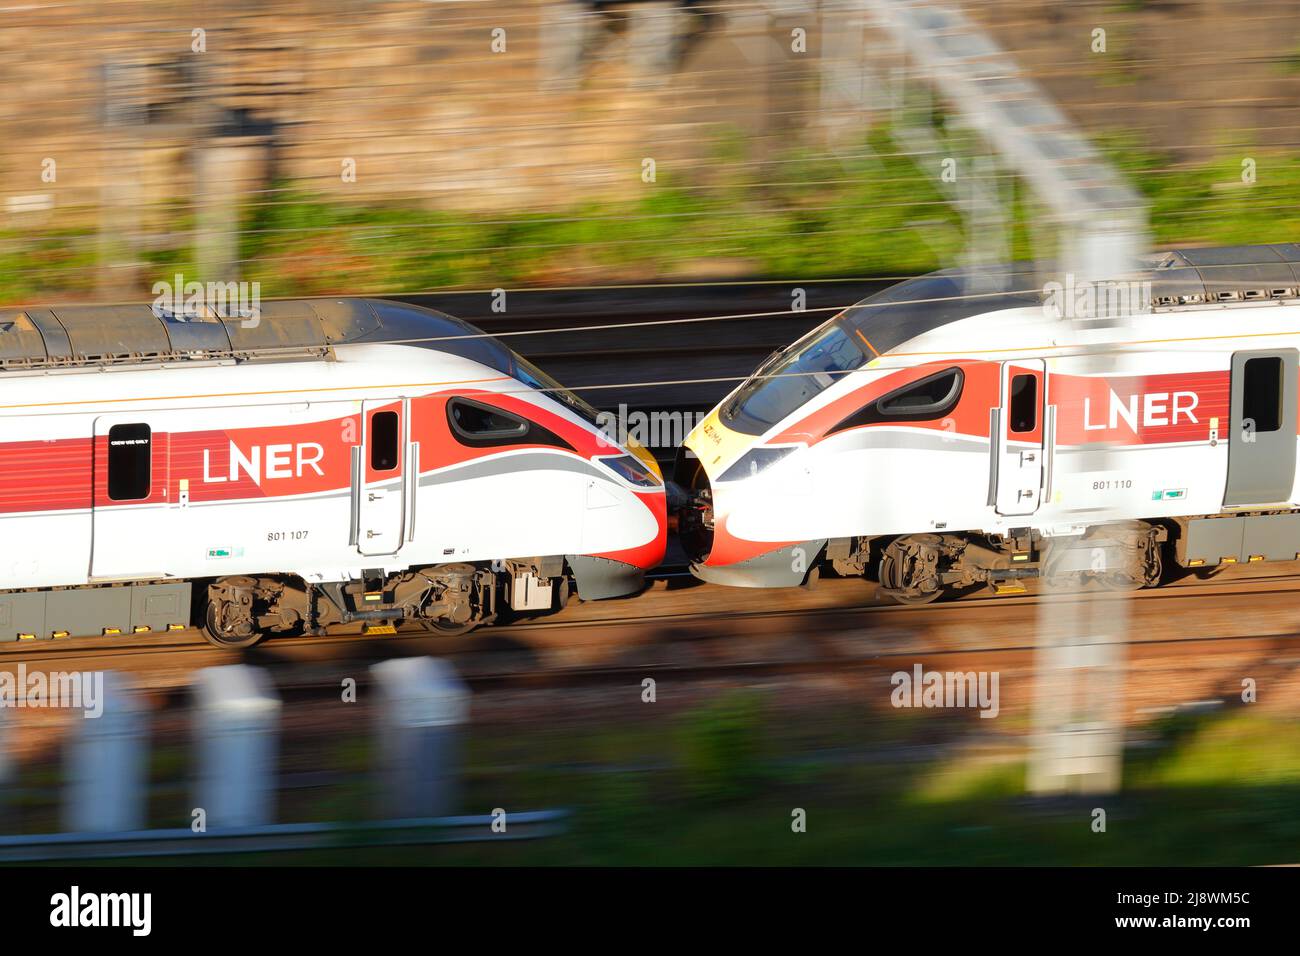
{"x":803,"y":217}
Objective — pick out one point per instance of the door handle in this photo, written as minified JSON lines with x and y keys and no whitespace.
{"x":376,"y":496}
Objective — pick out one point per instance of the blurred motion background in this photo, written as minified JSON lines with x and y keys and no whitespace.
{"x":628,"y":149}
{"x":402,"y":146}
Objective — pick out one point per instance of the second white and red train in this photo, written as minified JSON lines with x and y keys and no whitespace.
{"x":956,"y":432}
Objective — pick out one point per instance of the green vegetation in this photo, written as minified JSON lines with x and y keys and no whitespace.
{"x":720,"y":745}
{"x":719,"y":784}
{"x":867,"y":211}
{"x":59,"y":260}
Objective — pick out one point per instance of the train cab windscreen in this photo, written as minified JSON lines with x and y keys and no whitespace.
{"x":525,"y":371}
{"x":792,"y":376}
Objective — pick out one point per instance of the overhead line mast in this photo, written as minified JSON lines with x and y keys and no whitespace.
{"x":1102,"y":227}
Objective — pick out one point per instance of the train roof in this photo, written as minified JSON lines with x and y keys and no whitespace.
{"x":91,"y":335}
{"x":1179,"y":277}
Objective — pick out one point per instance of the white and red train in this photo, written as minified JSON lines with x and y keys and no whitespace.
{"x":345,"y":460}
{"x":337,"y":460}
{"x":947,"y":434}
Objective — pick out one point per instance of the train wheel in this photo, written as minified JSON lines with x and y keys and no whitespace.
{"x":228,"y":618}
{"x":909,"y":570}
{"x":1143,"y":564}
{"x":445,"y":628}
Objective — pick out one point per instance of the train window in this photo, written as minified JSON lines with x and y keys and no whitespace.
{"x":1261,"y":393}
{"x":923,"y":400}
{"x":929,"y":396}
{"x":1023,"y":406}
{"x":129,"y":462}
{"x":482,"y":421}
{"x":383,"y":441}
{"x":480,"y":425}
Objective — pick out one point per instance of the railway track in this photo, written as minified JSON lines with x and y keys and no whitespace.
{"x":726,"y":662}
{"x":838,"y":663}
{"x":1187,"y":644}
{"x":693,"y":642}
{"x":630,"y":676}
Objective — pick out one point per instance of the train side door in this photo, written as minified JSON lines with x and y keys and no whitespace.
{"x":1018,"y":445}
{"x":129,"y":526}
{"x":1262,"y":428}
{"x":379,"y":476}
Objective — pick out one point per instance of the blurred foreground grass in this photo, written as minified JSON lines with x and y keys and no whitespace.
{"x":1221,"y":788}
{"x":866,"y":212}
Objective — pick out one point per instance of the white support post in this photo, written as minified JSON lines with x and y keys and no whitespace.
{"x":1102,"y":227}
{"x":6,"y":766}
{"x":421,"y":709}
{"x":105,"y":762}
{"x":566,"y":29}
{"x":1079,"y":673}
{"x":653,"y":36}
{"x":1081,"y":660}
{"x":236,"y":728}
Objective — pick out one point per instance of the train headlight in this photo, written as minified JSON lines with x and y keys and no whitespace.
{"x":756,"y":460}
{"x":631,"y":469}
